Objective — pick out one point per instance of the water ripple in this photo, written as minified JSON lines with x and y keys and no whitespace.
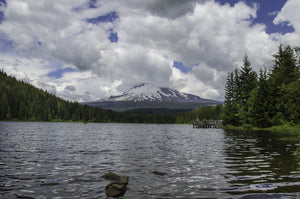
{"x":65,"y":160}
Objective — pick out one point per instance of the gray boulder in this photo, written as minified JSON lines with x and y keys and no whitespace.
{"x":115,"y":189}
{"x":118,"y":185}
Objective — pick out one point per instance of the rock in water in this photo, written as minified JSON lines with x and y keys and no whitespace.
{"x":124,"y":179}
{"x":160,"y":173}
{"x":118,"y":185}
{"x":115,"y":189}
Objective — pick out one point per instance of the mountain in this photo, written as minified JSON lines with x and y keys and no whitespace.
{"x":148,"y":92}
{"x":152,"y":99}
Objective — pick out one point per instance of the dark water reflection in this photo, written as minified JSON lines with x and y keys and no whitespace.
{"x":260,"y":162}
{"x":65,"y":160}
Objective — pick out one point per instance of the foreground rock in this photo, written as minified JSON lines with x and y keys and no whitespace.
{"x":115,"y":189}
{"x":118,"y":185}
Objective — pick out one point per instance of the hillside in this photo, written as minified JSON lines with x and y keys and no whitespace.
{"x":21,"y":101}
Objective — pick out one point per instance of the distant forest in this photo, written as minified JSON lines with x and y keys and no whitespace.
{"x":203,"y":112}
{"x":20,"y":101}
{"x":270,"y":98}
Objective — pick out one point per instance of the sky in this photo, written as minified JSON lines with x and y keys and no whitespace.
{"x":87,"y":50}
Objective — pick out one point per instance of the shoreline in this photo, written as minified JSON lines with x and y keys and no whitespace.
{"x":281,"y":128}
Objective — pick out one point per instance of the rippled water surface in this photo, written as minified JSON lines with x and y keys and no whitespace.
{"x":67,"y":160}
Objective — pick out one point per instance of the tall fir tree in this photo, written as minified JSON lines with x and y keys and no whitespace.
{"x":230,"y":106}
{"x":238,"y":89}
{"x":258,"y":103}
{"x":286,"y":68}
{"x":247,"y":81}
{"x":284,"y":72}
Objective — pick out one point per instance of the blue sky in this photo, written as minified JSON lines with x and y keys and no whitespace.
{"x":101,"y":48}
{"x":266,"y":13}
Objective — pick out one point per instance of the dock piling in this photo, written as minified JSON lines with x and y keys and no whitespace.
{"x":207,"y":124}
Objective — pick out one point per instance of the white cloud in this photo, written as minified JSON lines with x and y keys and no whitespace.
{"x":152,"y":34}
{"x":87,"y":86}
{"x":80,"y":86}
{"x":24,"y":68}
{"x":289,"y":14}
{"x":189,"y":83}
{"x":213,"y":36}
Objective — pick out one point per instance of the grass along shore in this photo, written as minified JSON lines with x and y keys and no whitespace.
{"x":286,"y":128}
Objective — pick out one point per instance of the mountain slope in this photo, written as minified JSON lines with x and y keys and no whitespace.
{"x":146,"y":98}
{"x":148,"y":92}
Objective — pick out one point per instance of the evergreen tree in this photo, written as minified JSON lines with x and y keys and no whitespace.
{"x":284,"y":72}
{"x":21,"y":113}
{"x":289,"y":103}
{"x":4,"y":105}
{"x":258,"y":103}
{"x":230,"y":106}
{"x":247,"y":82}
{"x":237,"y":92}
{"x":286,"y":68}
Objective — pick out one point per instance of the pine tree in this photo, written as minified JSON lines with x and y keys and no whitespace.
{"x":4,"y":105}
{"x":21,"y":113}
{"x":285,"y":69}
{"x":284,"y":72}
{"x":259,"y":101}
{"x":247,"y":82}
{"x":230,"y":106}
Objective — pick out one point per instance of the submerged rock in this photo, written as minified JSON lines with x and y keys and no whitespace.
{"x":160,"y":173}
{"x":24,"y":197}
{"x":111,"y":176}
{"x":118,"y":185}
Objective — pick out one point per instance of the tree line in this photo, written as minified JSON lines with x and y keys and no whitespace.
{"x":21,"y":101}
{"x":270,"y":98}
{"x":203,"y":112}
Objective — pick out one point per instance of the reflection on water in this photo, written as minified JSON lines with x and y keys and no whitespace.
{"x":66,"y":160}
{"x":260,"y":162}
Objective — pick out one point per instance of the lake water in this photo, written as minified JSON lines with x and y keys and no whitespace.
{"x":67,"y":160}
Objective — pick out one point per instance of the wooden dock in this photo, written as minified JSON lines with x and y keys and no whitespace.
{"x":207,"y":124}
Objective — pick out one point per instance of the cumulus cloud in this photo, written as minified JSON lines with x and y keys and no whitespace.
{"x":167,"y":8}
{"x":289,"y":14}
{"x":70,"y":88}
{"x":208,"y":37}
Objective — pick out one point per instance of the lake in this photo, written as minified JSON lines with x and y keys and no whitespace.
{"x":67,"y":160}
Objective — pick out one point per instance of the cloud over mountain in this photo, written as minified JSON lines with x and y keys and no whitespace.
{"x":113,"y":45}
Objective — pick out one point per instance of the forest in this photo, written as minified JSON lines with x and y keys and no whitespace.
{"x":203,"y":112}
{"x":20,"y":101}
{"x":270,"y":98}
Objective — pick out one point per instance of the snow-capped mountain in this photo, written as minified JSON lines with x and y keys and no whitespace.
{"x":148,"y":92}
{"x":149,"y":98}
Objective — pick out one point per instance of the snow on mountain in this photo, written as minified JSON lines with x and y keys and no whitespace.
{"x":148,"y":92}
